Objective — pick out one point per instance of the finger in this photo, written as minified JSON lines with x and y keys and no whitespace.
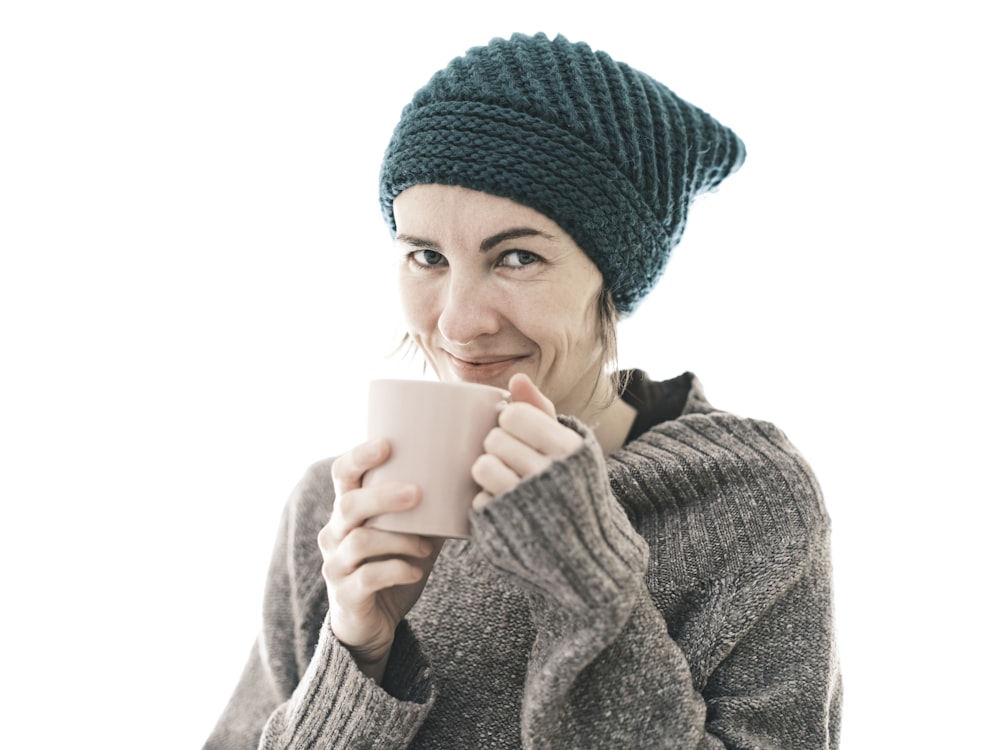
{"x":365,"y":544}
{"x":354,"y":508}
{"x":523,"y":390}
{"x":520,"y":457}
{"x":356,"y":590}
{"x":348,"y":469}
{"x":541,"y":432}
{"x":481,"y":500}
{"x":493,"y":475}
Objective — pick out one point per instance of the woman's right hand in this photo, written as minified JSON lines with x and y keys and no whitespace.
{"x":373,"y":577}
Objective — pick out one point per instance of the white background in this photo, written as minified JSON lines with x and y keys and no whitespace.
{"x":195,"y":287}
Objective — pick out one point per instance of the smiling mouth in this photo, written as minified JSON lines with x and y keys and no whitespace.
{"x":484,"y":362}
{"x":482,"y":368}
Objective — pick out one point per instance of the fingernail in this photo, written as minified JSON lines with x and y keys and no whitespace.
{"x":409,"y":495}
{"x":371,"y":450}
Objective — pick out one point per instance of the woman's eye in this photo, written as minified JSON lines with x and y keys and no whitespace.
{"x":518,"y":259}
{"x":427,"y":258}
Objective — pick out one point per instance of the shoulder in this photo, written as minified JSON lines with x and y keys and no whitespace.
{"x":718,"y":490}
{"x":726,"y":451}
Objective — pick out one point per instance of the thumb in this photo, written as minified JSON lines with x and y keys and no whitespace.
{"x":524,"y":390}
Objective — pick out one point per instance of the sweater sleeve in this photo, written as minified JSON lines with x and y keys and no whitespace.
{"x":605,"y":665}
{"x":300,"y":687}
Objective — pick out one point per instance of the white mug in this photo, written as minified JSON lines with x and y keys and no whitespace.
{"x":436,"y":432}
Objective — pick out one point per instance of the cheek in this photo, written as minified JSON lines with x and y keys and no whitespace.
{"x":578,"y":313}
{"x":563,"y":325}
{"x":417,"y":304}
{"x":581,"y":340}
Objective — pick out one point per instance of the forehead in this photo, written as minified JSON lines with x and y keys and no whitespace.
{"x":423,"y":209}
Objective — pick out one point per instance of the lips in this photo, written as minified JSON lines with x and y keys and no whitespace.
{"x":482,"y":368}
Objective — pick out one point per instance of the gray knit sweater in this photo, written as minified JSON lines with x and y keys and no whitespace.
{"x":674,"y":595}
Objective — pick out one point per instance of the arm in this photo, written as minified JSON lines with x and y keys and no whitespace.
{"x":604,"y":669}
{"x":300,"y":692}
{"x":607,"y":668}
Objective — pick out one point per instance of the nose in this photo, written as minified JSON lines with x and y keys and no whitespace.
{"x":469,"y":310}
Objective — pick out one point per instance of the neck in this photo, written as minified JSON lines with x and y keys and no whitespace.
{"x":608,"y":416}
{"x":611,"y":426}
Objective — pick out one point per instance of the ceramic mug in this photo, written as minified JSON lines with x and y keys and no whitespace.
{"x":436,"y":432}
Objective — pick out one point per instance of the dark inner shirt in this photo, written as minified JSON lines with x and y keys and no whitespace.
{"x":654,"y":401}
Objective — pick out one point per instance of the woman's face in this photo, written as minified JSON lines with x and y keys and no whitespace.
{"x":490,"y":288}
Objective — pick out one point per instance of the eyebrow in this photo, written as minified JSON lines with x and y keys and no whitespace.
{"x":511,"y":234}
{"x":486,"y":245}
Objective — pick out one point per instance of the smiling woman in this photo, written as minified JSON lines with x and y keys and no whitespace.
{"x":505,"y":291}
{"x":643,"y":570}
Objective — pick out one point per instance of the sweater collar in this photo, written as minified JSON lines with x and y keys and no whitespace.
{"x":656,"y":402}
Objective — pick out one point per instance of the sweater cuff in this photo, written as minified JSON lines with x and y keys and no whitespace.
{"x":562,"y":533}
{"x":337,"y":705}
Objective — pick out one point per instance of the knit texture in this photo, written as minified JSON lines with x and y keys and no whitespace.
{"x":675,"y":595}
{"x":611,"y":155}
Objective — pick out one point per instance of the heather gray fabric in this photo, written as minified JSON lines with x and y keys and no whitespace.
{"x":674,"y":595}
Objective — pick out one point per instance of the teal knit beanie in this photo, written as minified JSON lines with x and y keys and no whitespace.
{"x":612,"y":156}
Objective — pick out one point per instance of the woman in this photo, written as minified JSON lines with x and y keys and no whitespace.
{"x":643,"y":570}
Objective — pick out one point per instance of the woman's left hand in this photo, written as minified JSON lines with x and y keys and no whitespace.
{"x":527,"y":440}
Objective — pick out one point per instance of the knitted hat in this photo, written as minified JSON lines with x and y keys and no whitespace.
{"x":609,"y":154}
